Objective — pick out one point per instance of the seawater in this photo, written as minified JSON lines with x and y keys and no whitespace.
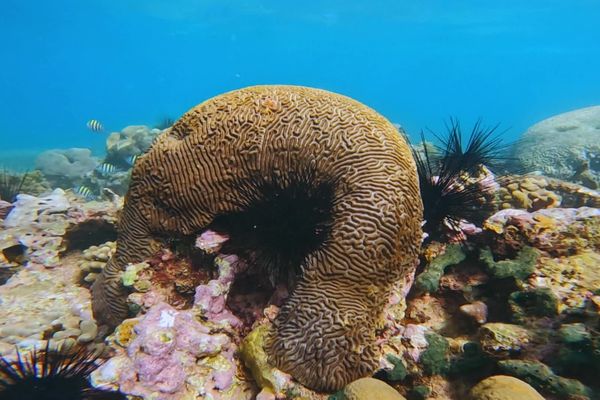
{"x":418,"y":63}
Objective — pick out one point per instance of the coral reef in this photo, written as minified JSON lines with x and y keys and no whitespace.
{"x":66,"y":168}
{"x":41,"y":225}
{"x":42,"y":299}
{"x":172,"y":356}
{"x":94,"y":260}
{"x":131,"y":141}
{"x":193,"y":174}
{"x":557,"y":231}
{"x":40,"y":303}
{"x":564,"y":146}
{"x":534,"y":193}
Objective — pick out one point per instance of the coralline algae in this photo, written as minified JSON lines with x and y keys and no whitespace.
{"x":179,"y":354}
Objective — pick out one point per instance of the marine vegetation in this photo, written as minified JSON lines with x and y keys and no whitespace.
{"x":11,"y":185}
{"x":52,"y":374}
{"x":455,"y":183}
{"x":363,"y":215}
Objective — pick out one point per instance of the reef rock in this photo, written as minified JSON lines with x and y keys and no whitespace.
{"x":40,"y":228}
{"x":565,"y":146}
{"x":172,"y":354}
{"x":557,"y":231}
{"x":533,"y":192}
{"x":39,"y":303}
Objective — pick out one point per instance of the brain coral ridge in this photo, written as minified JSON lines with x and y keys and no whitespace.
{"x":325,"y":333}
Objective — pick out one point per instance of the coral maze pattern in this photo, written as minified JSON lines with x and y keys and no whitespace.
{"x":325,"y":333}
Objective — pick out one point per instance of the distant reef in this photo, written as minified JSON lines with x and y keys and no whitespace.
{"x":565,"y":146}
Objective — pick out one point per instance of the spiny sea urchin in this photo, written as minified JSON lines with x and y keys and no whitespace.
{"x":11,"y":185}
{"x":484,"y":147}
{"x":454,"y":185}
{"x":281,"y":221}
{"x":52,"y":374}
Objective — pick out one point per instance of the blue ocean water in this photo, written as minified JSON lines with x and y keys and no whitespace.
{"x":138,"y":61}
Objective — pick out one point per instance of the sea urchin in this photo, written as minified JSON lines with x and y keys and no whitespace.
{"x":455,"y":184}
{"x":52,"y":374}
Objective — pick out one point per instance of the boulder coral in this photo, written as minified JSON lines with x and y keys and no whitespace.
{"x":66,"y":167}
{"x":564,"y":146}
{"x":502,"y":387}
{"x":236,"y":150}
{"x":131,"y":141}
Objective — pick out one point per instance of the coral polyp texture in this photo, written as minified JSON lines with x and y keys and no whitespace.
{"x":232,"y":153}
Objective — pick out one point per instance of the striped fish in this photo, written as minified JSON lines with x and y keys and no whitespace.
{"x":106,"y":168}
{"x":132,"y":159}
{"x":84,"y":192}
{"x":94,"y":125}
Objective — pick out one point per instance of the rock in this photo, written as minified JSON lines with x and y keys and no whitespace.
{"x":502,"y":387}
{"x":369,"y":388}
{"x":564,"y":146}
{"x":501,"y":340}
{"x":476,"y":310}
{"x":556,"y":231}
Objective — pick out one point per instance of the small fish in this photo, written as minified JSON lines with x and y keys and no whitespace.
{"x":132,"y":159}
{"x":94,"y":125}
{"x":106,"y":168}
{"x":84,"y":192}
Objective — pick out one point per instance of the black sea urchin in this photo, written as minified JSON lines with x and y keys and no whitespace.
{"x":52,"y":374}
{"x":485,"y":147}
{"x":281,"y":220}
{"x":455,"y":185}
{"x":10,"y":185}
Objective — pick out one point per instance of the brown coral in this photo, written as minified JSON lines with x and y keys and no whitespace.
{"x":325,"y":333}
{"x":537,"y":192}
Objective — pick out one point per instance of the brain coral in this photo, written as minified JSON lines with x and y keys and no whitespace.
{"x":324,"y":334}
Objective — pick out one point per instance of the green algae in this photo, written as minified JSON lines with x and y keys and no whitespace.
{"x":542,"y":378}
{"x":429,"y":280}
{"x":538,"y":302}
{"x":519,"y":268}
{"x":435,"y":360}
{"x":399,"y":372}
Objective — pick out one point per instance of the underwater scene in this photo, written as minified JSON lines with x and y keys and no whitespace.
{"x":318,"y":200}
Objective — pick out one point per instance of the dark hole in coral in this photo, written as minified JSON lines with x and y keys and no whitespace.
{"x":249,"y":295}
{"x":89,"y":233}
{"x":7,"y":272}
{"x":15,"y":253}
